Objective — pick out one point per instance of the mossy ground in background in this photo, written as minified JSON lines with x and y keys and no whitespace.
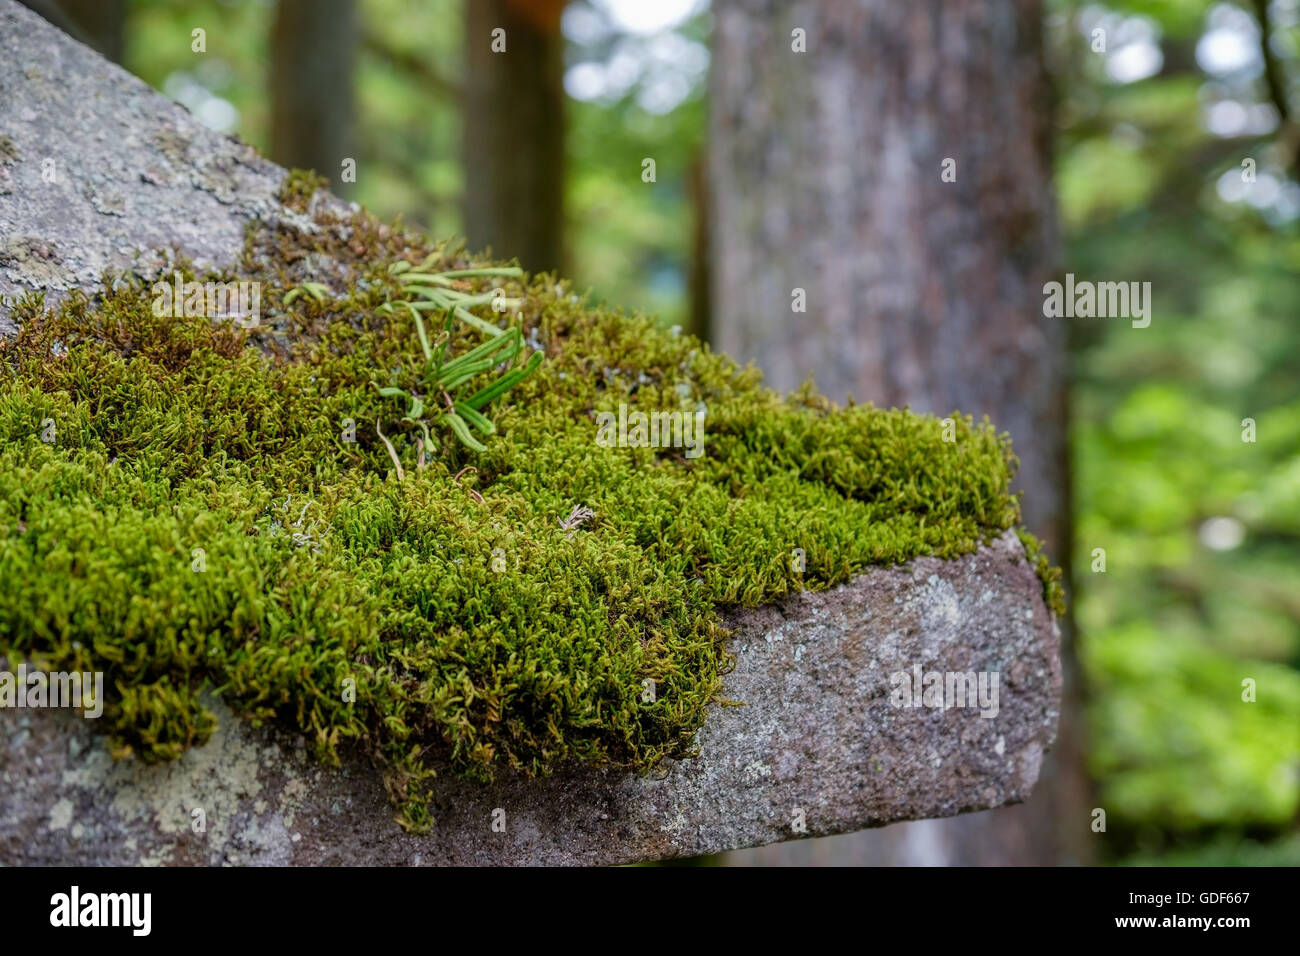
{"x":473,"y":627}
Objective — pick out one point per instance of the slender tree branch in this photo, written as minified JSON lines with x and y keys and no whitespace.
{"x":1275,"y":79}
{"x":413,"y":63}
{"x":1272,"y":68}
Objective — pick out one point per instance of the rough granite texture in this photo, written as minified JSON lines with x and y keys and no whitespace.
{"x":817,"y":739}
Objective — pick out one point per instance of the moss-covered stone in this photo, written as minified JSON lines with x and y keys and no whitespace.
{"x":298,"y":188}
{"x":200,"y":515}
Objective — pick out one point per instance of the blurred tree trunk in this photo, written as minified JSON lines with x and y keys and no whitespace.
{"x":699,"y":323}
{"x":514,"y":131}
{"x":826,"y":177}
{"x":313,"y":57}
{"x":100,"y":24}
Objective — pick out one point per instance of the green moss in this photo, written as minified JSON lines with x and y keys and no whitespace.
{"x":1048,"y":574}
{"x":298,"y":188}
{"x":202,"y":519}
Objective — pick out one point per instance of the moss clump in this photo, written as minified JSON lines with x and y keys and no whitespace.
{"x":298,"y":188}
{"x":213,"y":508}
{"x":1049,"y":574}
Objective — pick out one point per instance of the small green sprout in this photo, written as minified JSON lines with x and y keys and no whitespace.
{"x":436,"y":291}
{"x":315,"y":290}
{"x":440,"y":376}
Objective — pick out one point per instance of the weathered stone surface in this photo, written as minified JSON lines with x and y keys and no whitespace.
{"x":97,"y":169}
{"x":817,"y":735}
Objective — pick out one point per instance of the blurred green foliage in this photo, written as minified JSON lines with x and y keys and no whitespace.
{"x":1152,"y":134}
{"x":1201,"y":529}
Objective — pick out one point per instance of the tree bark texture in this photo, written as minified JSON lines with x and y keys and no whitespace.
{"x":513,"y":143}
{"x":827,"y":176}
{"x":313,"y":58}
